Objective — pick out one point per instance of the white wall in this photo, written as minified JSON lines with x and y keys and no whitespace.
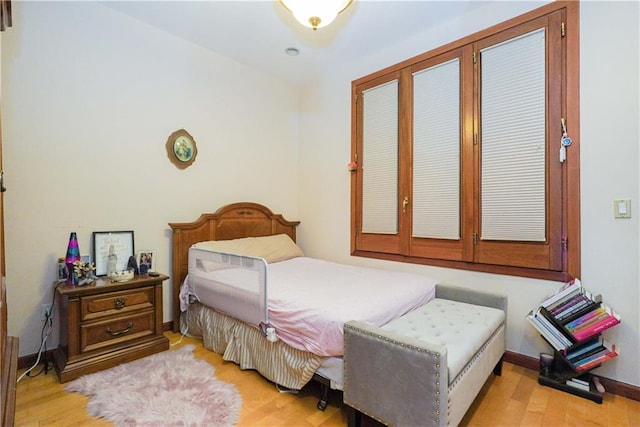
{"x":90,"y":97}
{"x":609,"y":170}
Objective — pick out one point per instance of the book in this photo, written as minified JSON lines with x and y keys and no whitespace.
{"x":564,"y":300}
{"x":574,"y":382}
{"x":578,"y":300}
{"x":577,"y":312}
{"x":587,"y":319}
{"x":583,"y":295}
{"x":562,"y":293}
{"x":596,"y":328}
{"x":557,"y":330}
{"x":608,"y":351}
{"x":571,"y":320}
{"x":586,"y":350}
{"x":580,"y":381}
{"x":592,"y":355}
{"x":596,"y":362}
{"x":549,"y":330}
{"x":595,"y":356}
{"x":545,"y":331}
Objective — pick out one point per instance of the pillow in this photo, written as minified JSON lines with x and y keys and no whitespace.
{"x":274,"y":248}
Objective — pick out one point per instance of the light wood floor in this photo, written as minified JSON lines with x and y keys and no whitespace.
{"x":513,"y":399}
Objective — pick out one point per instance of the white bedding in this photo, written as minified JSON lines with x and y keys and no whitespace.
{"x":309,"y":300}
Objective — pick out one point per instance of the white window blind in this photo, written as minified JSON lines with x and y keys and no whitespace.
{"x":380,"y":159}
{"x":513,"y":139}
{"x":436,"y":151}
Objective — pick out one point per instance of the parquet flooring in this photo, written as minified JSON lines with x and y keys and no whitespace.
{"x":514,"y":399}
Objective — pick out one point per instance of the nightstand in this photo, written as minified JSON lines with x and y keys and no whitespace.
{"x":107,"y":323}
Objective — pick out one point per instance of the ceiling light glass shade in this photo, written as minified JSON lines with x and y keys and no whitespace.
{"x":315,"y":13}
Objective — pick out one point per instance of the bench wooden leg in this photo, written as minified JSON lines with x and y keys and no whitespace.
{"x":497,"y":370}
{"x":354,"y":417}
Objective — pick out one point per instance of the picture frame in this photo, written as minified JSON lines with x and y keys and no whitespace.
{"x":110,"y":244}
{"x":181,"y":149}
{"x":146,"y":259}
{"x":63,"y":271}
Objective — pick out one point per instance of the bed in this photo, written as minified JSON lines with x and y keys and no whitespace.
{"x":268,"y":337}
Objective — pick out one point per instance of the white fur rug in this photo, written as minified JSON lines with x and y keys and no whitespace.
{"x":172,"y":388}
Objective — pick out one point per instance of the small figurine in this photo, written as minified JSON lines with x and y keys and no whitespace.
{"x":133,"y":265}
{"x":84,"y":272}
{"x":112,"y":260}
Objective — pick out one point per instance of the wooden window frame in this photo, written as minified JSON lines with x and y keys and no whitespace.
{"x":464,"y":254}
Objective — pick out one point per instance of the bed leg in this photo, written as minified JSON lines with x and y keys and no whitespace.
{"x":354,"y":417}
{"x":322,"y":403}
{"x":497,"y":370}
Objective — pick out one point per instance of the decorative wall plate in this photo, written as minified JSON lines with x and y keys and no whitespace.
{"x":181,"y":149}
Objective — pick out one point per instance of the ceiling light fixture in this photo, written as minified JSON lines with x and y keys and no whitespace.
{"x":315,"y":13}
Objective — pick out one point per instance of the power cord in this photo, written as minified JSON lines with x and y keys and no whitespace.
{"x":47,"y":327}
{"x":184,"y":332}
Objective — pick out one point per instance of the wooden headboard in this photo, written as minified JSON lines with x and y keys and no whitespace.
{"x":232,"y":221}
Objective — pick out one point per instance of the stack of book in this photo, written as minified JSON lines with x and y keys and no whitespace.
{"x":578,"y":383}
{"x":591,"y":355}
{"x":576,"y":301}
{"x":592,"y":323}
{"x":569,"y":318}
{"x":549,"y":330}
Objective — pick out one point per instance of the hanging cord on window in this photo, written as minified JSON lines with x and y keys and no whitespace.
{"x":47,"y":327}
{"x":565,"y":141}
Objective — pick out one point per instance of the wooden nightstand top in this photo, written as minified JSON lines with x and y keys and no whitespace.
{"x":103,"y":284}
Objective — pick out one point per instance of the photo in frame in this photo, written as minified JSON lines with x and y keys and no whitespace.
{"x":111,"y":251}
{"x":63,"y":271}
{"x":146,"y":261}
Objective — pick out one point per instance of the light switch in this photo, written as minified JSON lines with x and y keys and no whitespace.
{"x":622,"y":208}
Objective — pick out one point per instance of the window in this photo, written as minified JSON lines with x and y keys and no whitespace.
{"x":458,"y":152}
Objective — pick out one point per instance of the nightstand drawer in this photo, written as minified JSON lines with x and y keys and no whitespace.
{"x":97,"y":335}
{"x":106,"y":323}
{"x":116,"y":303}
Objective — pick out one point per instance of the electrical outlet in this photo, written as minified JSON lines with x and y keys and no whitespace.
{"x":46,"y":311}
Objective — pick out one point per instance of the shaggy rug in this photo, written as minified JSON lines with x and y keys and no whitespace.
{"x":172,"y":388}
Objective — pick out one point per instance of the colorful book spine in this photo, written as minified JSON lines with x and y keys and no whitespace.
{"x":563,"y":292}
{"x":577,"y":301}
{"x":569,"y":316}
{"x":603,"y":351}
{"x":580,"y":352}
{"x":564,"y":300}
{"x":571,"y":320}
{"x":588,"y":319}
{"x":597,"y":328}
{"x":596,"y":362}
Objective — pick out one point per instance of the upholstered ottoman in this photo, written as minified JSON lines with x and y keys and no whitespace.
{"x":426,"y":367}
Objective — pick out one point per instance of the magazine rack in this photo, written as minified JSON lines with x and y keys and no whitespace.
{"x":571,"y":321}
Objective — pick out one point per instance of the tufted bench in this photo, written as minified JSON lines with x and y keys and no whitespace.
{"x":426,"y":367}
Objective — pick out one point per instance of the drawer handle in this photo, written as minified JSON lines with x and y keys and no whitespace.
{"x":120,"y":303}
{"x":122,"y":332}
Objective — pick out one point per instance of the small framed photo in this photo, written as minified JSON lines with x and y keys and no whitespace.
{"x":146,"y":261}
{"x":111,"y":250}
{"x":63,"y":271}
